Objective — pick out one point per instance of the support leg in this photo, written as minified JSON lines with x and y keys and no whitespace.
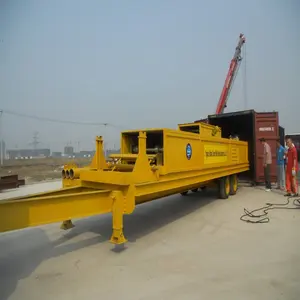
{"x":67,"y":225}
{"x":117,"y":211}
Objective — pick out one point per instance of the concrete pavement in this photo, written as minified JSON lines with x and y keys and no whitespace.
{"x":192,"y":248}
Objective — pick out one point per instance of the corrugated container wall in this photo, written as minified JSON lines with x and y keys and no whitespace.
{"x":250,"y":126}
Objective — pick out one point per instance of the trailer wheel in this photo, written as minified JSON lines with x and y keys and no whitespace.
{"x":224,"y":187}
{"x":195,"y":190}
{"x":184,"y":193}
{"x":203,"y":188}
{"x":233,"y":184}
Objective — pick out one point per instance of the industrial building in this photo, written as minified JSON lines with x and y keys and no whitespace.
{"x":27,"y":153}
{"x":68,"y":150}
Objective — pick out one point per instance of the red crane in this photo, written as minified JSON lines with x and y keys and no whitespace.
{"x":233,"y":69}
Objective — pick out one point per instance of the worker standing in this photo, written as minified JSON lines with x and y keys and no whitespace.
{"x":280,"y":166}
{"x":285,"y":152}
{"x":267,"y":162}
{"x":291,"y":170}
{"x":286,"y":148}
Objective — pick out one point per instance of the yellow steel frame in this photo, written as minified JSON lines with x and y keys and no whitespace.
{"x":118,"y":188}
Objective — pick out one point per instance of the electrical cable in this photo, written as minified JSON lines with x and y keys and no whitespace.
{"x":9,"y":112}
{"x":263,"y":216}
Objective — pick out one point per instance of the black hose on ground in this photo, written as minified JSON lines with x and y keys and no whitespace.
{"x":260,"y":215}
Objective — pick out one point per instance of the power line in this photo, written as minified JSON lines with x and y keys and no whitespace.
{"x":10,"y":112}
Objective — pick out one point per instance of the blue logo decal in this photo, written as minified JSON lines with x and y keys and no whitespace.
{"x":188,"y":151}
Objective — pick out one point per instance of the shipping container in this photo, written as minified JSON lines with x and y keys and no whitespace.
{"x":250,"y":126}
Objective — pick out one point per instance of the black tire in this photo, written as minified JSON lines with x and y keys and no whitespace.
{"x":224,"y":187}
{"x":203,"y":188}
{"x":233,"y":184}
{"x":184,"y":193}
{"x":195,"y":190}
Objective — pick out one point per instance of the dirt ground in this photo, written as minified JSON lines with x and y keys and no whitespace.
{"x":35,"y":170}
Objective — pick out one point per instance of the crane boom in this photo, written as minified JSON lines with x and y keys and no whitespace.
{"x":232,"y":72}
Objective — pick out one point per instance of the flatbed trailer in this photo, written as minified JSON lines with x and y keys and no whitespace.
{"x":153,"y":163}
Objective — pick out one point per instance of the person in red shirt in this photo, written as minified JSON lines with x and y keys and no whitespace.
{"x":291,"y":170}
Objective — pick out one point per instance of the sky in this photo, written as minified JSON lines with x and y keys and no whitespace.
{"x":140,"y":64}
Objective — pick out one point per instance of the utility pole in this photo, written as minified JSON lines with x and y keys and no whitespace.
{"x":1,"y":139}
{"x":35,"y":142}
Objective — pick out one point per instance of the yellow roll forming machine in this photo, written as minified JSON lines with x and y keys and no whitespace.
{"x":153,"y":163}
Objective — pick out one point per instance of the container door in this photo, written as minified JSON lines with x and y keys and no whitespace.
{"x":281,"y":135}
{"x":266,"y":126}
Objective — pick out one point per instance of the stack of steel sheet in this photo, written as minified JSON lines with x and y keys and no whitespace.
{"x":10,"y":182}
